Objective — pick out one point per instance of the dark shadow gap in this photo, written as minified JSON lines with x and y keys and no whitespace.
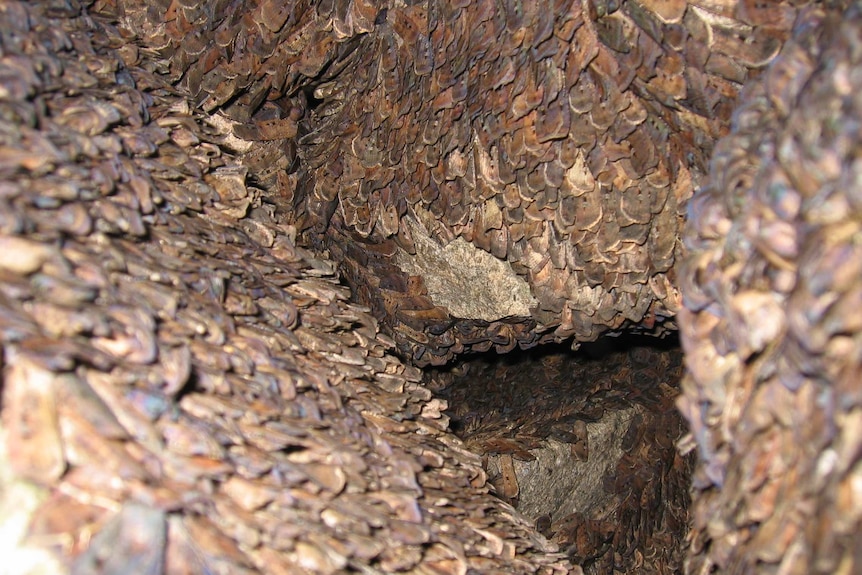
{"x":583,"y":443}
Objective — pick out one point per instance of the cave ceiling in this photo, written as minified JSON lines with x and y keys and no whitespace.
{"x":563,"y":142}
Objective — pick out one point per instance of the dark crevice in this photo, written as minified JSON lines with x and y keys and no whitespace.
{"x":583,"y":443}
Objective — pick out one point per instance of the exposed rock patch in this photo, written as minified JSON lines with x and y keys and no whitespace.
{"x":467,"y":281}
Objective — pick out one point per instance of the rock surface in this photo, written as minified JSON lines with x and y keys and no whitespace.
{"x":563,"y":141}
{"x":186,"y":389}
{"x":771,"y":325}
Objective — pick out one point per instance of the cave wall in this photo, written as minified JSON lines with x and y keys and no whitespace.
{"x":184,"y":388}
{"x":564,"y":142}
{"x":771,"y":320}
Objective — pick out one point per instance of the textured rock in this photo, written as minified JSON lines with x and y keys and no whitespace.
{"x":771,"y":325}
{"x":563,"y":141}
{"x":468,"y":282}
{"x":184,"y":389}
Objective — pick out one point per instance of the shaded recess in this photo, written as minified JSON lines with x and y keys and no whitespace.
{"x":583,"y":444}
